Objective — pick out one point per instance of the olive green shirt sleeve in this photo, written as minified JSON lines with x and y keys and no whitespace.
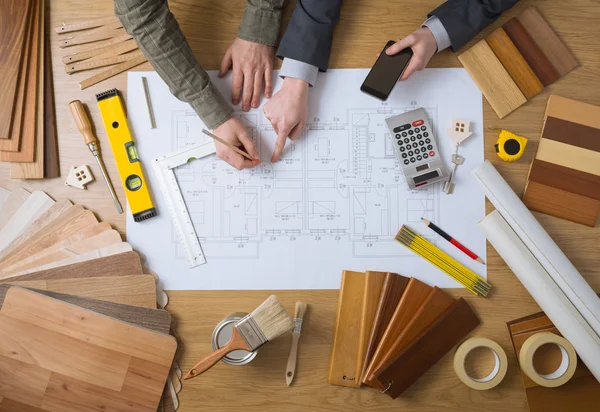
{"x":261,"y":21}
{"x":159,"y":37}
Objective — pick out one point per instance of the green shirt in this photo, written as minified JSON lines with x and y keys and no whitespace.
{"x":159,"y":37}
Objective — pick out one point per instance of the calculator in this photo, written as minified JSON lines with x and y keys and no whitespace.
{"x":416,"y":148}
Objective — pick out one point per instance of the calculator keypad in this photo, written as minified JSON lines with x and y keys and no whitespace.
{"x":413,"y":142}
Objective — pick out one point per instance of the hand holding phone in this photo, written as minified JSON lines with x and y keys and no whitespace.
{"x":386,"y":72}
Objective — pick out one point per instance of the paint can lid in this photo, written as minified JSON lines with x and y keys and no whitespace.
{"x":222,"y":334}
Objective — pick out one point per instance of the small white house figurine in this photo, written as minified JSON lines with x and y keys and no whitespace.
{"x":460,"y":130}
{"x":79,"y":176}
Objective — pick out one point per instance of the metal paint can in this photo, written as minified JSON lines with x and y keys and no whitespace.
{"x":222,"y":334}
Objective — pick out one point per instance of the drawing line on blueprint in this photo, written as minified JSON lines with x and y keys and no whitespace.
{"x":352,"y":192}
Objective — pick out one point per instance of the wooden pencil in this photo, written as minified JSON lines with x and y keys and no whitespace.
{"x":232,"y":147}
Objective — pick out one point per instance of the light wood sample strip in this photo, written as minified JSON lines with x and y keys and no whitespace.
{"x":547,"y":40}
{"x":101,"y":52}
{"x":373,"y":287}
{"x":83,"y":25}
{"x":26,"y":151}
{"x":116,"y":265}
{"x":532,"y":54}
{"x":573,"y":111}
{"x":35,"y":205}
{"x":13,"y":22}
{"x":34,"y":168}
{"x":495,"y":83}
{"x":413,"y":297}
{"x":136,"y":290}
{"x":12,"y":203}
{"x":566,"y":155}
{"x":514,"y":63}
{"x":343,"y":362}
{"x":562,"y":204}
{"x":145,"y":354}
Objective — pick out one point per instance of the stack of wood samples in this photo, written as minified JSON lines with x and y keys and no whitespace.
{"x":564,"y":179}
{"x":581,"y":393}
{"x":516,"y":61}
{"x":57,"y":261}
{"x":405,"y":327}
{"x":27,"y":117}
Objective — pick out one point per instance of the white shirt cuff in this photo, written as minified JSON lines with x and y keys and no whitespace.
{"x":439,"y":32}
{"x":299,"y":70}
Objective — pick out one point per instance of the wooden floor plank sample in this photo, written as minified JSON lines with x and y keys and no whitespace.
{"x":573,"y":157}
{"x":548,"y":41}
{"x":22,"y":383}
{"x":45,"y":219}
{"x":149,"y":355}
{"x":561,"y":204}
{"x":93,"y":255}
{"x":123,"y":264}
{"x":4,"y":194}
{"x":343,"y":368}
{"x":573,"y":111}
{"x":563,"y":178}
{"x":26,"y":151}
{"x":413,"y":297}
{"x":532,"y":54}
{"x":514,"y":63}
{"x":12,"y":203}
{"x":373,"y":287}
{"x":11,"y":142}
{"x":35,"y":205}
{"x":158,"y":320}
{"x":571,"y":133}
{"x":55,"y":254}
{"x":495,"y":83}
{"x":13,"y":21}
{"x":135,"y":290}
{"x":34,"y":169}
{"x":394,"y":288}
{"x":51,"y":158}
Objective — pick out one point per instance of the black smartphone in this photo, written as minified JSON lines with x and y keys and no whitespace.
{"x":385,"y":72}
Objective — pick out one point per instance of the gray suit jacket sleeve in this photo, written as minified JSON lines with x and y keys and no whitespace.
{"x":309,"y":33}
{"x":463,"y":19}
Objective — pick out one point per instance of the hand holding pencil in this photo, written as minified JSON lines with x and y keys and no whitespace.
{"x":229,"y":136}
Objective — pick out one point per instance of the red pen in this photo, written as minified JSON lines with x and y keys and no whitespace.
{"x":453,"y":241}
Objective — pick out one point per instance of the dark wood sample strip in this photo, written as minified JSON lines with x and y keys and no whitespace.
{"x":572,"y":133}
{"x":564,"y":178}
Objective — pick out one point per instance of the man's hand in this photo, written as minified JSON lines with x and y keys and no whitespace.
{"x":423,"y":45}
{"x":287,"y":112}
{"x":234,"y":132}
{"x":252,"y":66}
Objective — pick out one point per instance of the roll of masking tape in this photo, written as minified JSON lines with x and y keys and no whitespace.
{"x":497,"y":374}
{"x":567,"y":366}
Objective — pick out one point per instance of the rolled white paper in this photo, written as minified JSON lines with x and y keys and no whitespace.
{"x":553,"y":301}
{"x":540,"y":244}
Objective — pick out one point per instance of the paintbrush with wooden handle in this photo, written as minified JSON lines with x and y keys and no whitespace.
{"x":269,"y":321}
{"x":298,"y":318}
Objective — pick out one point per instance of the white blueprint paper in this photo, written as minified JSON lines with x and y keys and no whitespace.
{"x":334,"y":201}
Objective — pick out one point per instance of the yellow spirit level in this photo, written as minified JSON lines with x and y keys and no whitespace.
{"x":126,"y":156}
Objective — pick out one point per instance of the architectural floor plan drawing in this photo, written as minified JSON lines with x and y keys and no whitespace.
{"x":334,"y":201}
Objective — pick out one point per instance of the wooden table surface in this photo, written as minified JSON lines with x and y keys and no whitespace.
{"x":364,"y":27}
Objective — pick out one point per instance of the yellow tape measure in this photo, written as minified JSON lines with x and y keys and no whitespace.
{"x":509,"y":146}
{"x":126,"y":156}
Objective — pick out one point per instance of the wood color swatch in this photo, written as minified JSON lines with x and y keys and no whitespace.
{"x":343,"y":363}
{"x":26,"y":151}
{"x":116,"y":265}
{"x":51,"y":158}
{"x":35,"y":205}
{"x":393,"y":289}
{"x":514,"y":63}
{"x":495,"y":83}
{"x":427,"y":348}
{"x":12,"y":203}
{"x":413,"y":297}
{"x":562,"y":204}
{"x":581,"y":393}
{"x":374,"y":282}
{"x":537,"y":60}
{"x":13,"y":22}
{"x":65,"y":358}
{"x":564,"y":179}
{"x":158,"y":320}
{"x":434,"y":306}
{"x":546,"y":39}
{"x":136,"y":290}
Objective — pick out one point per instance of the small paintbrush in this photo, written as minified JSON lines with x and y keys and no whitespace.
{"x":268,"y":321}
{"x":298,"y":318}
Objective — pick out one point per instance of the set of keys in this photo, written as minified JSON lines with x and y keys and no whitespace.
{"x":460,"y":130}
